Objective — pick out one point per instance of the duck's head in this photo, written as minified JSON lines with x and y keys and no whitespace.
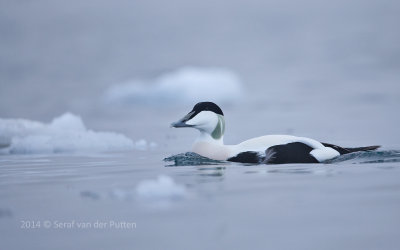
{"x":207,"y":117}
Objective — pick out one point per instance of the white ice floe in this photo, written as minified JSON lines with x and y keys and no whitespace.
{"x":65,"y":134}
{"x":185,"y":85}
{"x":162,"y":188}
{"x":142,"y":144}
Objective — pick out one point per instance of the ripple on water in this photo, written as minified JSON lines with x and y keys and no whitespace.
{"x":387,"y":156}
{"x":191,"y":159}
{"x":368,"y":157}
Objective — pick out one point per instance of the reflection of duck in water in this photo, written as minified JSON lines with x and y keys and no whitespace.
{"x":208,"y":118}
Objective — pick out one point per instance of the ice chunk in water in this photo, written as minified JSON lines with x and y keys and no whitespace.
{"x":65,"y":134}
{"x":164,"y":187}
{"x":185,"y":85}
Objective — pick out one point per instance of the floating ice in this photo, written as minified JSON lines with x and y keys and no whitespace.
{"x":142,"y":144}
{"x":186,"y":85}
{"x":164,"y":187}
{"x":65,"y":134}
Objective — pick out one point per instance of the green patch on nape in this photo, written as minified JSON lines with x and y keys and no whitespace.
{"x":219,"y":129}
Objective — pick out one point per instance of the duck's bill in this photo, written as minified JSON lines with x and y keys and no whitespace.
{"x":180,"y":124}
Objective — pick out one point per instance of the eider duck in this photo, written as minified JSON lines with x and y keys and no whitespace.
{"x":208,"y":118}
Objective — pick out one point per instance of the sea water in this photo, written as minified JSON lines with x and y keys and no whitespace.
{"x":127,"y":200}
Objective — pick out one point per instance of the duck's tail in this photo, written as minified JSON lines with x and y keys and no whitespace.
{"x":368,"y":148}
{"x":343,"y":151}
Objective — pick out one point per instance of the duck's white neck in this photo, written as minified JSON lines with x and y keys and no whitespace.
{"x":205,"y":137}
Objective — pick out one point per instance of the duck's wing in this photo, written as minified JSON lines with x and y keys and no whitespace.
{"x":295,"y":152}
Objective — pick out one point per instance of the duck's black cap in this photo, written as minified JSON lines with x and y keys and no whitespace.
{"x":207,"y":106}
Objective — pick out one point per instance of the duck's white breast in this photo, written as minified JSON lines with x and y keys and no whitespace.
{"x":212,"y":151}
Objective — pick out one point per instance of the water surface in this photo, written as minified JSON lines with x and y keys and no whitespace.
{"x":350,"y":203}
